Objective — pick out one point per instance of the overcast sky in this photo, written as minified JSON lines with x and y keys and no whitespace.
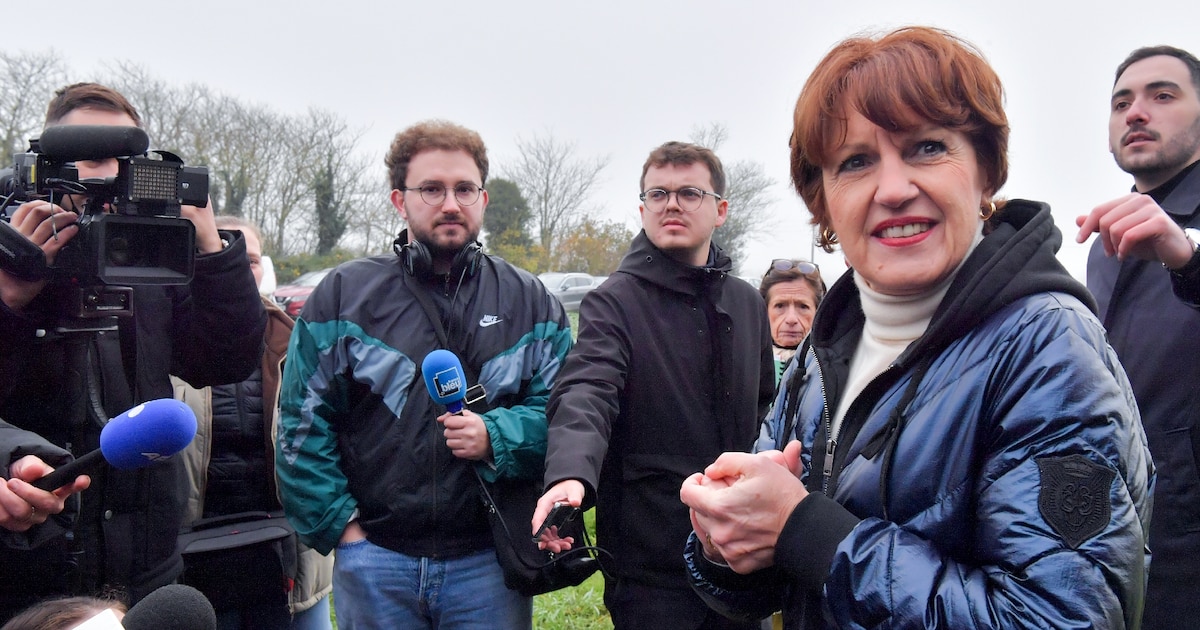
{"x":621,"y":77}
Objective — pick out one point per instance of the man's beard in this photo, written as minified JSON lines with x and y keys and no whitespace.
{"x":437,"y":250}
{"x":1173,"y":156}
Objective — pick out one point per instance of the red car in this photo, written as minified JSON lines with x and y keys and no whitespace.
{"x":291,"y":297}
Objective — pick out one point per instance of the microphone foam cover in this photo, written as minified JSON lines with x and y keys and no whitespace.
{"x":444,"y":379}
{"x":147,"y":433}
{"x":172,"y":607}
{"x":92,"y":142}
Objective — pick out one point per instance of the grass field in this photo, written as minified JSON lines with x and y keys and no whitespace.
{"x":577,"y":608}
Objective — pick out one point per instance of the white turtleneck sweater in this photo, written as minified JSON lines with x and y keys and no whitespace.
{"x":892,"y":323}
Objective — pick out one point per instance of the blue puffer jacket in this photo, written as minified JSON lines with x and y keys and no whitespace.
{"x":995,"y":475}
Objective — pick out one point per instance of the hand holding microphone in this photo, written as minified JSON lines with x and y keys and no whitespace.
{"x":22,"y":506}
{"x":149,"y":432}
{"x":465,"y":433}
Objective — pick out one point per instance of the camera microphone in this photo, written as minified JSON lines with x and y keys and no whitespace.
{"x":444,"y":379}
{"x":139,"y":437}
{"x":92,"y":142}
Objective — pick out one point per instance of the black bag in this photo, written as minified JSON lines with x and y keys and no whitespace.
{"x":240,"y":559}
{"x":528,"y":570}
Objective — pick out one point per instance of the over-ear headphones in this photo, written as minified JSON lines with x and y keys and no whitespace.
{"x":417,"y":260}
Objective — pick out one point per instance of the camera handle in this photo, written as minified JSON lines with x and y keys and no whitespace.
{"x":19,"y":256}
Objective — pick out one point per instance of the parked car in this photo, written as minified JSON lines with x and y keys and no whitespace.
{"x":570,"y":288}
{"x":292,"y":296}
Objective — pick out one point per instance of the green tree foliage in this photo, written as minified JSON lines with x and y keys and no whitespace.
{"x":594,"y":247}
{"x":330,"y":222}
{"x":506,"y":225}
{"x":507,"y":211}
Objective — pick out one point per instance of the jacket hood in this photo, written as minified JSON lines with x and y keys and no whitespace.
{"x":646,"y":261}
{"x":1016,"y":259}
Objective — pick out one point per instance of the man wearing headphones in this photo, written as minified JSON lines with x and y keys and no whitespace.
{"x":367,"y":462}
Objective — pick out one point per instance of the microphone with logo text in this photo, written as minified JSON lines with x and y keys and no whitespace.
{"x":149,"y":432}
{"x":444,"y":379}
{"x":172,"y":607}
{"x":92,"y":142}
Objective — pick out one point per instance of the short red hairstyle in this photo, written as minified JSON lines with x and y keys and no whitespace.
{"x":905,"y":79}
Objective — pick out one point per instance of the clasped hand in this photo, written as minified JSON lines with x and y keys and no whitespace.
{"x":741,"y":502}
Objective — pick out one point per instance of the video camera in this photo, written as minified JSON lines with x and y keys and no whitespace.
{"x":141,"y":238}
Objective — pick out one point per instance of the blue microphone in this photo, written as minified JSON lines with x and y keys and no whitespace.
{"x":139,"y":437}
{"x":444,"y":379}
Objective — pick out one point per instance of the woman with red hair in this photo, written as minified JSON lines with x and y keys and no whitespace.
{"x":960,"y":446}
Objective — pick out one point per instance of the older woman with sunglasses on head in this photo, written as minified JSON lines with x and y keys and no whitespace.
{"x":960,"y":448}
{"x":792,"y":290}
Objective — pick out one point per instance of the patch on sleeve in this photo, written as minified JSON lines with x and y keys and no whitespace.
{"x":1074,"y":498}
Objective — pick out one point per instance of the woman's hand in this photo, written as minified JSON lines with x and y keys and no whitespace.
{"x":741,"y":503}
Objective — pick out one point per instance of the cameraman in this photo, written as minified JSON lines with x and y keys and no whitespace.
{"x":65,"y":386}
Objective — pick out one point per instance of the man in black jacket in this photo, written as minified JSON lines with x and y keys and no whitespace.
{"x":63,"y":376}
{"x":672,"y":366}
{"x":1144,"y":270}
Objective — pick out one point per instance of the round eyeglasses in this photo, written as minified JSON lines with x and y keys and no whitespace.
{"x":784,"y":264}
{"x":689,"y":198}
{"x":434,"y":194}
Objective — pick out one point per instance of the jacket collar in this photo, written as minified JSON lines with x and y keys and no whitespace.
{"x":1183,"y":198}
{"x":646,"y":261}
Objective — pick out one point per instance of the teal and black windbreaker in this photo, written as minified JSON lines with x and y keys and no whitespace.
{"x":358,"y":429}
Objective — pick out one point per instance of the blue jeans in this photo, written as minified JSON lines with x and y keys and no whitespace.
{"x":315,"y":618}
{"x":379,"y":588}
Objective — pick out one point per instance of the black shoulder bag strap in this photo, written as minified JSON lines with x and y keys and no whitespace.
{"x":476,"y":398}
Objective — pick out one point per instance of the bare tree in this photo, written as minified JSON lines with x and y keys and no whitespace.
{"x":748,"y":189}
{"x":27,"y":82}
{"x":556,"y":184}
{"x":374,"y":223}
{"x":711,"y":136}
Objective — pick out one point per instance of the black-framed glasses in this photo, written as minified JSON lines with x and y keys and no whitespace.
{"x":688,"y":198}
{"x":784,"y":264}
{"x":434,"y":193}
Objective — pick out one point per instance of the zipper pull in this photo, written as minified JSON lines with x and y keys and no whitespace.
{"x":827,"y":468}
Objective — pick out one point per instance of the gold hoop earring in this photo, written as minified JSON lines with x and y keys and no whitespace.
{"x":987,"y":214}
{"x":828,"y":237}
